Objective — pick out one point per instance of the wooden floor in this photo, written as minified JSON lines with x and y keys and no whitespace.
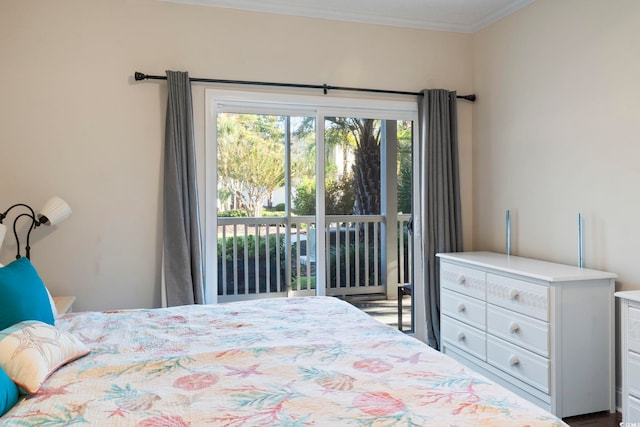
{"x":602,"y":419}
{"x":386,"y":311}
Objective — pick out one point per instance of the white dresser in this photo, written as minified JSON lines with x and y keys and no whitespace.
{"x":543,"y":330}
{"x":630,"y":355}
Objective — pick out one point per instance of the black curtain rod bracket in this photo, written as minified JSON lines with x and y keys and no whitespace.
{"x":325,"y":87}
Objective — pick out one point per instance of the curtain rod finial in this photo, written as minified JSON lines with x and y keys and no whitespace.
{"x":139,"y":76}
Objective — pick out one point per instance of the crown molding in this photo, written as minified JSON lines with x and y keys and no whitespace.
{"x":359,"y":17}
{"x":498,"y":15}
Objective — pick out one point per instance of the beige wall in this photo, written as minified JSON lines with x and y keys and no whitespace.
{"x":556,"y":131}
{"x":73,"y":122}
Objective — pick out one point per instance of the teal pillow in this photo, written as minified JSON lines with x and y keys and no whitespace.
{"x":23,"y":296}
{"x":8,"y":393}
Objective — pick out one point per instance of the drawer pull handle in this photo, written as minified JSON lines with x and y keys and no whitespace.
{"x":514,"y":294}
{"x":461,"y":280}
{"x":514,"y":361}
{"x":461,"y":308}
{"x":514,"y":328}
{"x":461,"y":336}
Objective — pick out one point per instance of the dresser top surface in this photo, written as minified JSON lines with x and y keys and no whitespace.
{"x":543,"y":270}
{"x":630,"y":295}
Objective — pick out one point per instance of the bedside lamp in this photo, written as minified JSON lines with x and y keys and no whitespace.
{"x":54,"y":211}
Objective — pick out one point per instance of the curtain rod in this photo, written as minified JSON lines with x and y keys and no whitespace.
{"x":325,"y":88}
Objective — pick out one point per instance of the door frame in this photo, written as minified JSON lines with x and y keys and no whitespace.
{"x":319,"y":106}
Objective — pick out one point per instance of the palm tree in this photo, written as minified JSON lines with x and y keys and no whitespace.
{"x":363,"y":136}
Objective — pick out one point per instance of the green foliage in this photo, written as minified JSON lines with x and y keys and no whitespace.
{"x":405,"y":144}
{"x":251,"y":247}
{"x":339,"y":197}
{"x":277,"y":211}
{"x":233,"y":213}
{"x":304,"y":199}
{"x":251,"y":270}
{"x":404,"y":188}
{"x":301,"y":283}
{"x":338,"y":260}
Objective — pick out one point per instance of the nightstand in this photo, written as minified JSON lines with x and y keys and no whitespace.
{"x":64,"y":304}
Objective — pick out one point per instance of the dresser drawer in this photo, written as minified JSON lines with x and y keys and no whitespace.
{"x":518,"y":362}
{"x":520,"y":296}
{"x":634,"y":411}
{"x":464,"y":337}
{"x":633,"y":373}
{"x":520,"y":330}
{"x":463,"y":308}
{"x":633,"y":333}
{"x":464,"y":280}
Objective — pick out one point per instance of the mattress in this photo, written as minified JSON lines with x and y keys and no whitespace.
{"x":313,"y":361}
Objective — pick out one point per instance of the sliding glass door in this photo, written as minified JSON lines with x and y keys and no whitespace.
{"x":265,"y":163}
{"x":307,"y":196}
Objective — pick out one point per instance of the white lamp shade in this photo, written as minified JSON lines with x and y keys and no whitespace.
{"x":3,"y":232}
{"x":54,"y":211}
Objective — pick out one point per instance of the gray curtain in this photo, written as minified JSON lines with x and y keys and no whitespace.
{"x":182,"y":246}
{"x":440,"y":194}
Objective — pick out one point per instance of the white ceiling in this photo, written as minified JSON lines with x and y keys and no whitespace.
{"x":465,"y":16}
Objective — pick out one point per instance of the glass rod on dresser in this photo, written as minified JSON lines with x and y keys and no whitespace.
{"x":580,"y":241}
{"x":508,"y":232}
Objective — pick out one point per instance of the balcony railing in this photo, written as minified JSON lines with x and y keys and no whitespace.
{"x":273,"y":256}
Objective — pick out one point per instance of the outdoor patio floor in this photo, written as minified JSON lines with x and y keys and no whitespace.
{"x":386,"y":311}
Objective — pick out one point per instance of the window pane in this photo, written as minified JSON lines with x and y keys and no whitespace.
{"x":303,"y":165}
{"x":352,"y":192}
{"x":405,"y":174}
{"x":352,"y":166}
{"x":405,"y":168}
{"x":261,"y":158}
{"x":303,"y":199}
{"x":251,"y":153}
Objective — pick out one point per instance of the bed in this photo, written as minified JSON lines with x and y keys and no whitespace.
{"x":312,"y":361}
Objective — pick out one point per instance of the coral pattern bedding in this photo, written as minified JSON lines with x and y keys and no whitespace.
{"x":314,"y":361}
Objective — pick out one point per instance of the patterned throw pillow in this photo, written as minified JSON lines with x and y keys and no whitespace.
{"x":31,"y":351}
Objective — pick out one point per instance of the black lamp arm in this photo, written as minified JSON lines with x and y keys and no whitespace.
{"x":4,"y":214}
{"x":34,"y":223}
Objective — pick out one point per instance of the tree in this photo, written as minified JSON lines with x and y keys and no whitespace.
{"x":365,"y":136}
{"x":250,"y":158}
{"x":360,"y":137}
{"x":367,"y":167}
